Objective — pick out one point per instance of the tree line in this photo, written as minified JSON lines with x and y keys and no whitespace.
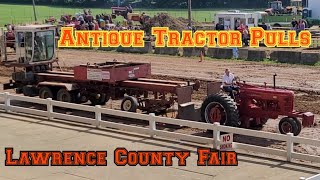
{"x":151,"y":3}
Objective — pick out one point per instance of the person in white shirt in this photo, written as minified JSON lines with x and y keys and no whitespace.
{"x":227,"y":83}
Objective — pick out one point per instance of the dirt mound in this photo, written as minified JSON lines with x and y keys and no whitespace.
{"x":165,"y":20}
{"x":186,"y":21}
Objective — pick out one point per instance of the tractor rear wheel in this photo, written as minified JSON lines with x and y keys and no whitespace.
{"x":289,"y":125}
{"x":46,"y":92}
{"x":220,"y":108}
{"x":129,"y":104}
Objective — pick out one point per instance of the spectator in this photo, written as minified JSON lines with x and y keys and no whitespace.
{"x":241,"y":27}
{"x":81,"y":18}
{"x":264,"y":26}
{"x":202,"y":54}
{"x":189,"y":27}
{"x":246,"y":36}
{"x":300,"y":27}
{"x":130,"y":10}
{"x":96,"y":25}
{"x":235,"y":52}
{"x":102,"y":24}
{"x":217,"y":26}
{"x":221,"y":27}
{"x":194,"y":29}
{"x":294,"y":23}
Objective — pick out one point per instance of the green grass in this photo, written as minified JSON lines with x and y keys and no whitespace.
{"x":24,"y":13}
{"x":317,"y":64}
{"x":16,"y":14}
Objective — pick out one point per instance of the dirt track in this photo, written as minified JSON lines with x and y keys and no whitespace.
{"x":305,"y":77}
{"x":186,"y":68}
{"x":288,"y":75}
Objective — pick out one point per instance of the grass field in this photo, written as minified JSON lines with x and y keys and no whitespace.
{"x":24,"y":13}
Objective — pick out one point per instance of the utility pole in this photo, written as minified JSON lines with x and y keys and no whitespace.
{"x":189,"y":12}
{"x":34,"y":10}
{"x":118,"y":3}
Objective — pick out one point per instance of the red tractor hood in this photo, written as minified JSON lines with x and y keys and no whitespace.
{"x":266,"y":90}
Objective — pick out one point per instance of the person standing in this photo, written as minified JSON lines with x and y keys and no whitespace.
{"x":246,"y":36}
{"x":241,"y":27}
{"x":202,"y":54}
{"x":294,"y":23}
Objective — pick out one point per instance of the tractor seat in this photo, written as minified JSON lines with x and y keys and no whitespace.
{"x":222,"y":90}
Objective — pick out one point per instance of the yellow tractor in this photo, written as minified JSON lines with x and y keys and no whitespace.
{"x":295,"y":4}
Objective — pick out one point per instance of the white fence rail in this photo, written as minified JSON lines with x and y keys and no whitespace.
{"x":316,"y":177}
{"x":151,"y":130}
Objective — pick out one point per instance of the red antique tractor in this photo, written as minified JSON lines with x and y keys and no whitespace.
{"x":119,"y":11}
{"x":253,"y":106}
{"x":8,"y":37}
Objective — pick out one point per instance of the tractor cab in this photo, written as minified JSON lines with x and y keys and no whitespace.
{"x":119,"y":11}
{"x":275,"y":7}
{"x":34,"y":45}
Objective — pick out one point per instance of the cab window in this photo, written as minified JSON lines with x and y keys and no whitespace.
{"x":21,"y":39}
{"x":28,"y":45}
{"x":43,"y":46}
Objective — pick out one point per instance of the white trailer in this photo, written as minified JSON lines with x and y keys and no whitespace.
{"x":231,"y":20}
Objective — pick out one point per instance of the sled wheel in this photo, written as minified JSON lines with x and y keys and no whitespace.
{"x":129,"y":104}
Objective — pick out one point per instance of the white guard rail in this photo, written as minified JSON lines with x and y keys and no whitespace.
{"x":151,"y":130}
{"x":316,"y":177}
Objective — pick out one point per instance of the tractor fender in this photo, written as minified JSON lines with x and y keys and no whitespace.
{"x":68,"y":86}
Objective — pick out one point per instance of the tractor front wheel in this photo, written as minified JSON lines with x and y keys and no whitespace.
{"x":289,"y":125}
{"x":220,"y":108}
{"x":299,"y":125}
